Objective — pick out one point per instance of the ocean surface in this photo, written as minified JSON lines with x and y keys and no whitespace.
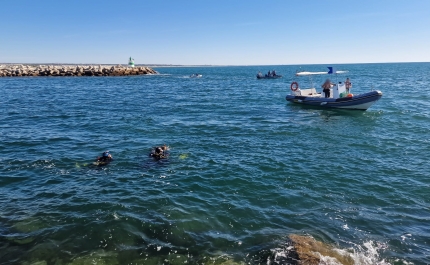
{"x":246,"y":168}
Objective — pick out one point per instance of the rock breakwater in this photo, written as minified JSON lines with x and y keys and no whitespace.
{"x":72,"y":70}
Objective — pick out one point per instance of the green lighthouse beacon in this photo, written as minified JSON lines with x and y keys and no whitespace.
{"x":131,"y":62}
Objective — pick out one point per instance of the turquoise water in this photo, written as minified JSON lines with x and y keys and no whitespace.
{"x":246,"y":168}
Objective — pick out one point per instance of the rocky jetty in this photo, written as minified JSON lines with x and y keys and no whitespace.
{"x":17,"y":70}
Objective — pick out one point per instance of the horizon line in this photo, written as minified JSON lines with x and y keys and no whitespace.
{"x":205,"y":65}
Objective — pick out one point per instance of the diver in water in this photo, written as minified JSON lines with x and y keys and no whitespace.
{"x":105,"y":158}
{"x":159,"y":152}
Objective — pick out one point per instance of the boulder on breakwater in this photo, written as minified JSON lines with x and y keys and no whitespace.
{"x":17,"y":70}
{"x":309,"y":251}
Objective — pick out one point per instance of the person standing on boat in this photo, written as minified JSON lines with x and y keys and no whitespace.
{"x":348,"y":85}
{"x":326,"y":88}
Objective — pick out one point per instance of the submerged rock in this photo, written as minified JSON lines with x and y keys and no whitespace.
{"x":22,"y":241}
{"x":99,"y":257}
{"x":29,"y":225}
{"x":42,"y":262}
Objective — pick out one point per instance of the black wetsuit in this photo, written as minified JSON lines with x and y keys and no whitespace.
{"x":326,"y":92}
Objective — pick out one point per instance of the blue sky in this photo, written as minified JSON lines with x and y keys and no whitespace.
{"x":221,"y":32}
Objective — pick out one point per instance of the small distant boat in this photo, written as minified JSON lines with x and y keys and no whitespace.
{"x":340,"y":97}
{"x":269,"y":75}
{"x":196,"y":76}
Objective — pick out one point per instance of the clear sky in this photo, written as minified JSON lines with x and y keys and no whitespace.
{"x":216,"y":32}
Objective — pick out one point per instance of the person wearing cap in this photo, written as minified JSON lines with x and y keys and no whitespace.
{"x":106,"y":157}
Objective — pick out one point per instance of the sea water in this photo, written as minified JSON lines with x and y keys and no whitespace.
{"x":246,"y":168}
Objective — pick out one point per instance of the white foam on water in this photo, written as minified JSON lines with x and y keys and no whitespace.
{"x":365,"y":254}
{"x":115,"y":216}
{"x":368,"y":254}
{"x":405,"y":236}
{"x":328,"y":261}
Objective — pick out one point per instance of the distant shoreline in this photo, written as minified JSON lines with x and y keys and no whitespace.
{"x":184,"y":65}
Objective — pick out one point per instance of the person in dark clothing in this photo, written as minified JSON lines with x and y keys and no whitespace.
{"x":106,"y":158}
{"x":159,"y":152}
{"x":326,"y":88}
